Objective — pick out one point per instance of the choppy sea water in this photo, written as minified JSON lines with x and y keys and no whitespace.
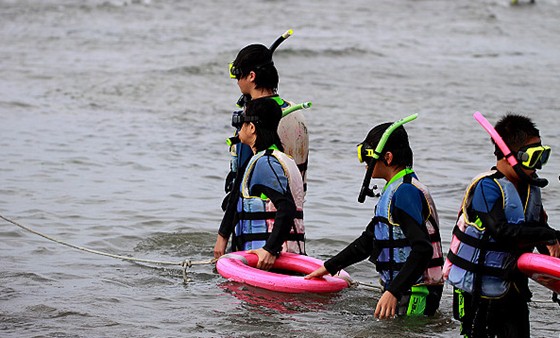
{"x":113,"y":121}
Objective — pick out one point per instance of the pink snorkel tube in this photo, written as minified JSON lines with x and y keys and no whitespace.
{"x":512,"y":160}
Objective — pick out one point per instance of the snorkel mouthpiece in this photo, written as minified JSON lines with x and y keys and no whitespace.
{"x":374,"y":156}
{"x":510,"y":157}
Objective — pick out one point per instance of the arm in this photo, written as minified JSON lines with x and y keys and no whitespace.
{"x":488,"y":205}
{"x":271,"y":181}
{"x":284,"y":220}
{"x":410,"y":211}
{"x":360,"y":249}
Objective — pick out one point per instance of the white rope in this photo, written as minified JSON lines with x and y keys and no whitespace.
{"x":187,"y":263}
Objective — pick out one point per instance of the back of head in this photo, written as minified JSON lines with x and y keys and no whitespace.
{"x":269,"y":114}
{"x":397,"y":143}
{"x":515,"y":130}
{"x":258,"y":58}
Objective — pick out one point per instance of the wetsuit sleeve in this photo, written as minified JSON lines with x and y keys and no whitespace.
{"x":488,"y":205}
{"x":269,"y":179}
{"x":284,"y":220}
{"x":228,"y":220}
{"x":409,"y":211}
{"x":360,"y":249}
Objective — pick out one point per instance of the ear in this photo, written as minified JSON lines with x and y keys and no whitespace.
{"x":252,"y":128}
{"x":251,"y":76}
{"x":389,"y":158}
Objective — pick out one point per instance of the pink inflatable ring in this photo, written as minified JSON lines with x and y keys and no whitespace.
{"x":241,"y":267}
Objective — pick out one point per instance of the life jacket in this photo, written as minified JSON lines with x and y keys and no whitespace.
{"x":292,"y":130}
{"x":476,"y":263}
{"x":255,"y":214}
{"x":395,"y":247}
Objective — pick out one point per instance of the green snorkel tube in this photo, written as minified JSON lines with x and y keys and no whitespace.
{"x":374,"y":154}
{"x":304,"y":105}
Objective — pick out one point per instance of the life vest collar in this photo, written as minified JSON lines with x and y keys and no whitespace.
{"x":402,"y":173}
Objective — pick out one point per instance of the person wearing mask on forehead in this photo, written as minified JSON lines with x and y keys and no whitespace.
{"x":402,"y":239}
{"x":501,"y":217}
{"x":257,"y":78}
{"x":269,"y":213}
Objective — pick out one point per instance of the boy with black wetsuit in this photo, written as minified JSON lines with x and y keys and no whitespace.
{"x":402,"y":239}
{"x":257,"y":77}
{"x":501,"y":217}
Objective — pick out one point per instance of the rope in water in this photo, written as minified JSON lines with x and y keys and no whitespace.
{"x":184,"y":264}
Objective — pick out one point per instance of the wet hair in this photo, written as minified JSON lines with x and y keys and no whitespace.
{"x":397,"y":143}
{"x":269,"y":114}
{"x":258,"y":58}
{"x":515,"y":130}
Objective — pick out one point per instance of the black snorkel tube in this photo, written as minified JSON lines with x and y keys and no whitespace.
{"x":366,"y":190}
{"x":510,"y":157}
{"x":280,"y":39}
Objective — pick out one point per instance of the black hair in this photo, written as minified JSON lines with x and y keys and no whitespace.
{"x":269,"y":114}
{"x":515,"y":130}
{"x":258,"y":58}
{"x":397,"y":143}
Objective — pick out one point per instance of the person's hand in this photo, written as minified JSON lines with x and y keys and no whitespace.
{"x":320,"y":272}
{"x":554,"y":250}
{"x":266,"y":259}
{"x":386,"y":307}
{"x":220,"y":246}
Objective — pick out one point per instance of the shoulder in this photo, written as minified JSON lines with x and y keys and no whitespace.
{"x":408,"y":193}
{"x":487,"y":185}
{"x":266,"y":159}
{"x":486,"y":193}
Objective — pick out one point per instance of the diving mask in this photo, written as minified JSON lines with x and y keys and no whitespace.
{"x":533,"y":156}
{"x":238,"y":118}
{"x":234,"y":72}
{"x":366,"y":153}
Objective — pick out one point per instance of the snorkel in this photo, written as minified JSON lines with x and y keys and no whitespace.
{"x":374,"y":154}
{"x":244,"y":98}
{"x":510,"y":157}
{"x":237,"y":115}
{"x":237,"y":119}
{"x":280,"y":39}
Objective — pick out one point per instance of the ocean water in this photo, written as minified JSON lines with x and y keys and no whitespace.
{"x":113,"y":120}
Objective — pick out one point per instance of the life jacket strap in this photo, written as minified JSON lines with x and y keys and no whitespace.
{"x":476,"y":268}
{"x":478,"y":243}
{"x":393,"y":266}
{"x":263,"y":236}
{"x":251,"y":216}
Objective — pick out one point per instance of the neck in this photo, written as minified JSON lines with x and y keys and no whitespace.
{"x":391,"y":172}
{"x":505,"y":168}
{"x":261,"y":92}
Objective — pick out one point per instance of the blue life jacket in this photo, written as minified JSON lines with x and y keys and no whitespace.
{"x":476,"y":263}
{"x":395,"y":247}
{"x":255,"y":214}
